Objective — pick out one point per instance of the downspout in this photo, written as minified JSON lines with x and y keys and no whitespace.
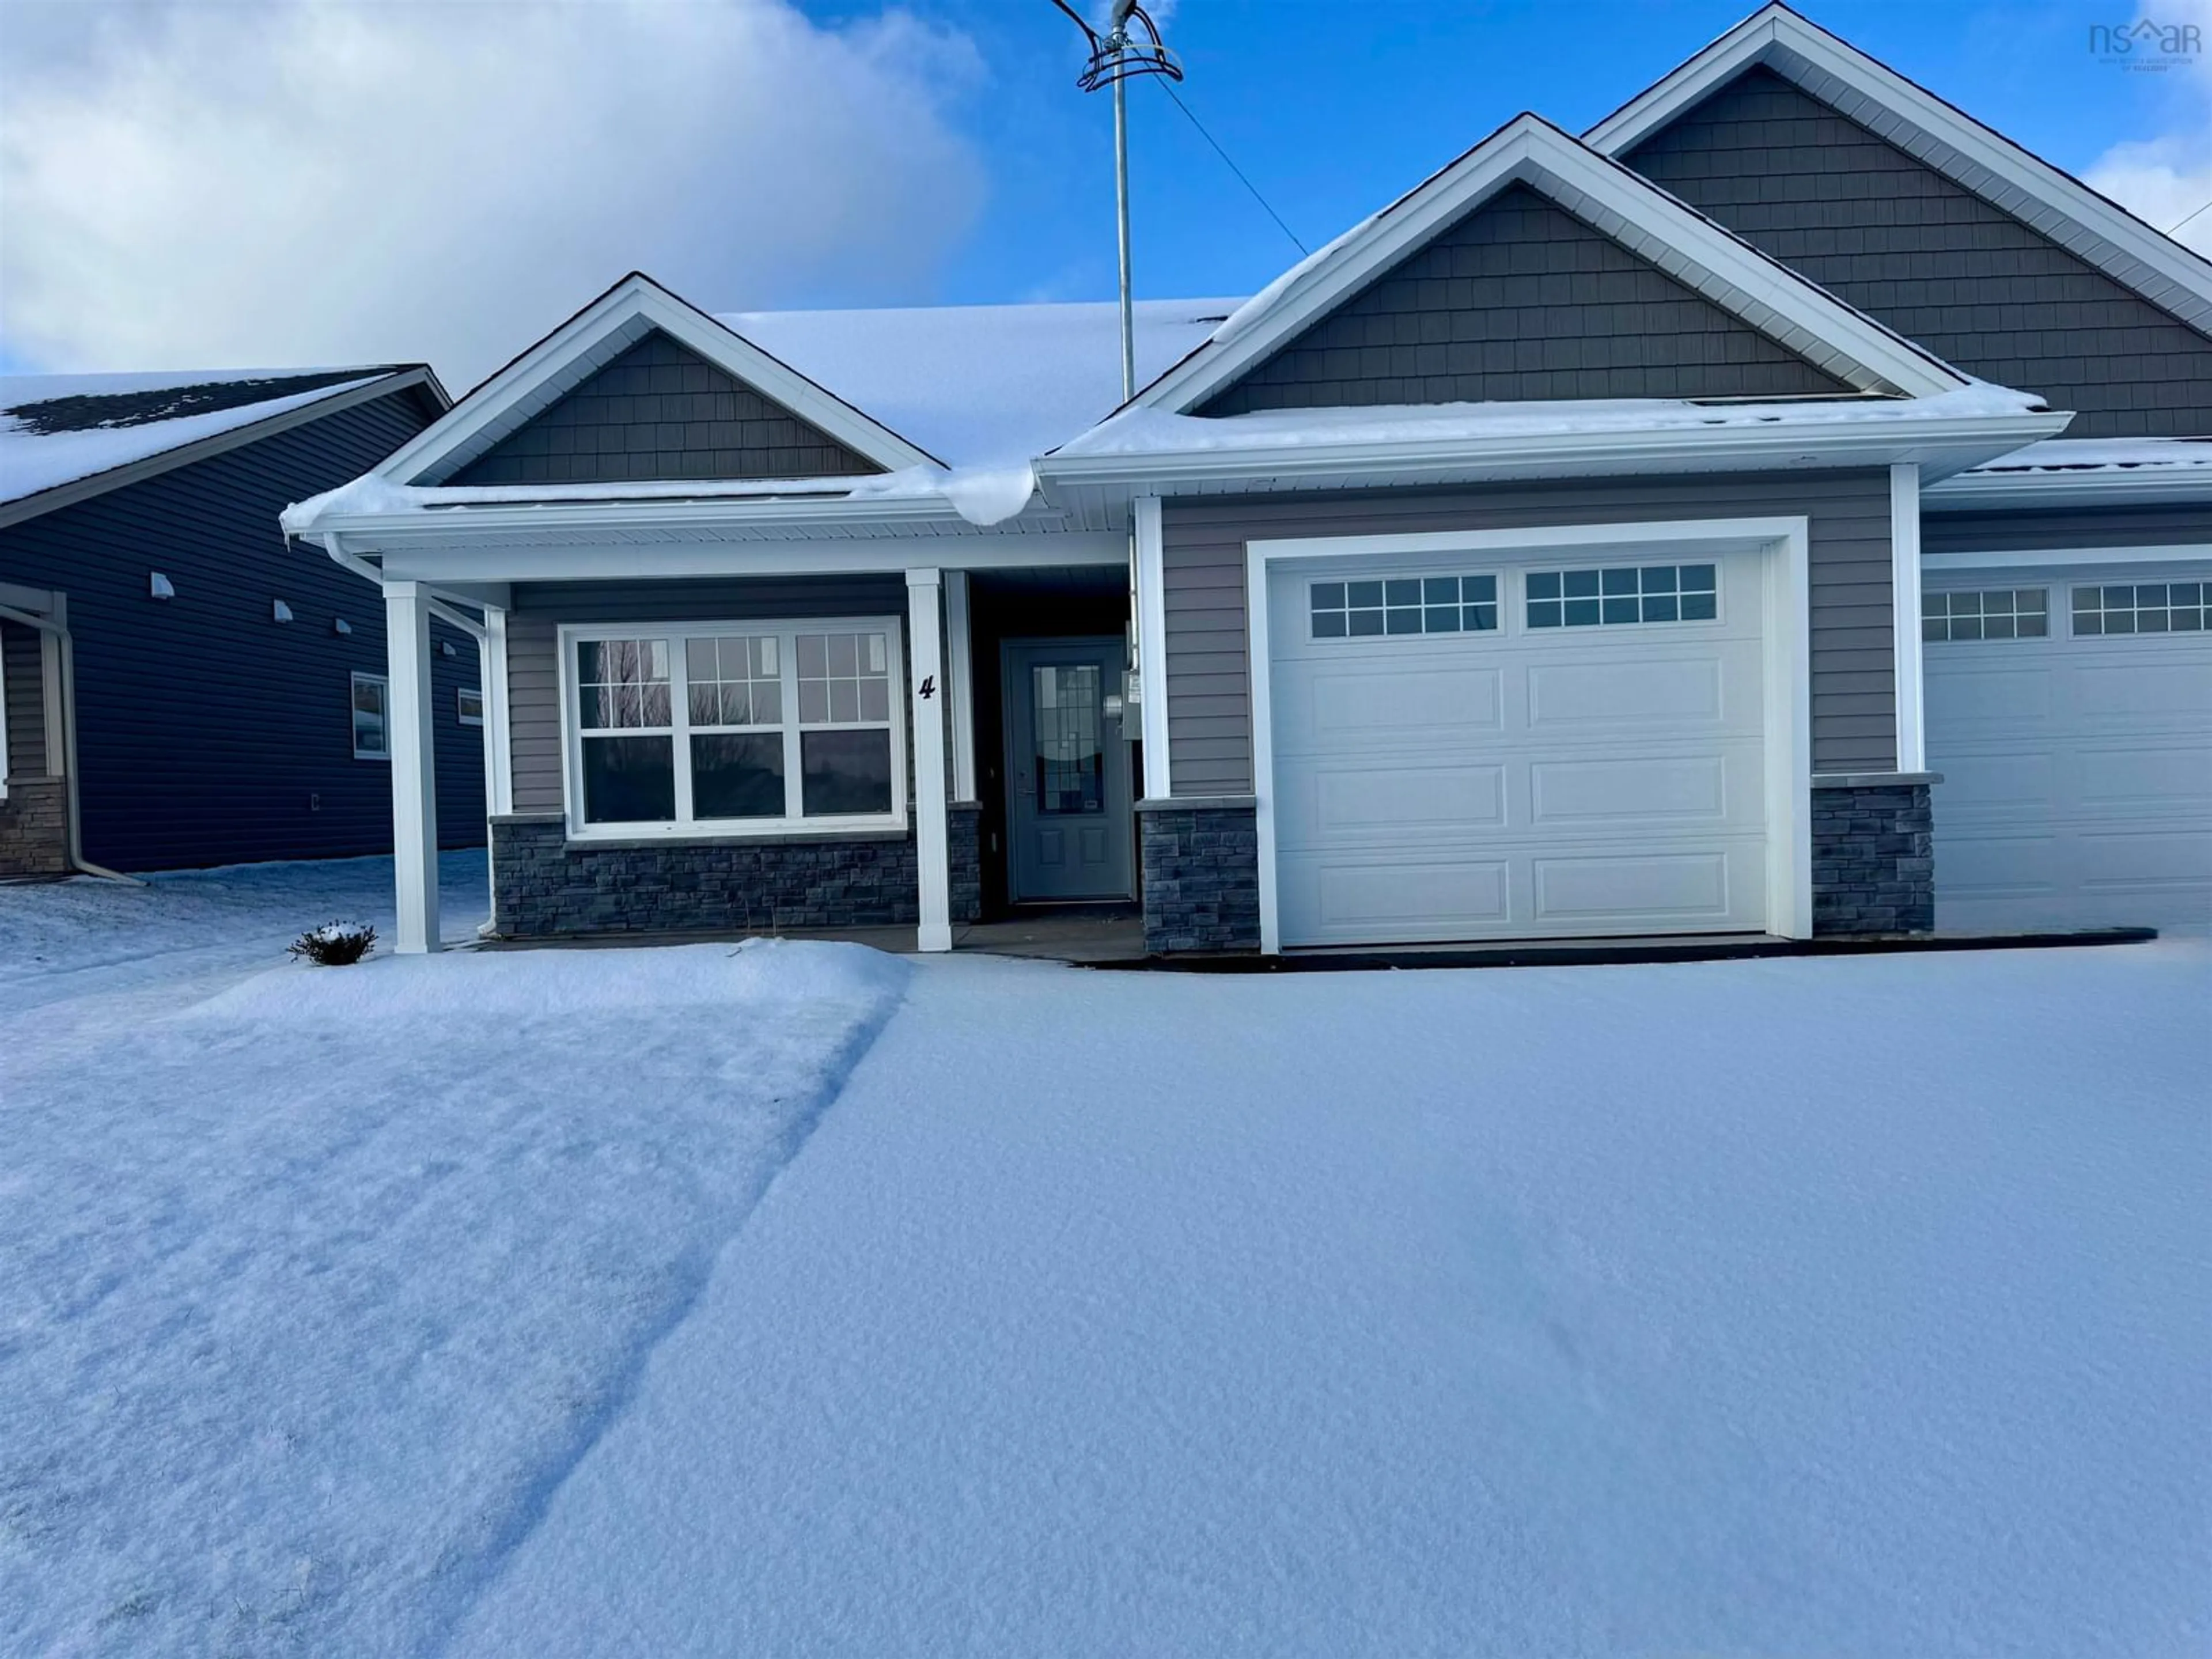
{"x":75,"y":850}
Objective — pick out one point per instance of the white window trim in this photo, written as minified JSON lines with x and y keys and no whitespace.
{"x":685,"y":827}
{"x":384,"y":681}
{"x":6,"y":757}
{"x":460,"y":708}
{"x":1785,"y":639}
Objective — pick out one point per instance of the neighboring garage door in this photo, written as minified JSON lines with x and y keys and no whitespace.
{"x":1465,"y":748}
{"x":2070,"y":714}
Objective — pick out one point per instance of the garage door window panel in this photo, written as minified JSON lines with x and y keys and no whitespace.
{"x":2142,"y":608}
{"x":2003,"y":613}
{"x":1403,"y":605}
{"x":1623,"y":594}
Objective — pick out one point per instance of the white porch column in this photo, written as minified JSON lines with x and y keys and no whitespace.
{"x":926,"y":695}
{"x":959,"y":685}
{"x":1905,"y":613}
{"x":1148,"y":574}
{"x":409,"y":719}
{"x":499,"y":740}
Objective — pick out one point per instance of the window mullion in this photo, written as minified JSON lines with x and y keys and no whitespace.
{"x":679,"y":726}
{"x":786,"y":651}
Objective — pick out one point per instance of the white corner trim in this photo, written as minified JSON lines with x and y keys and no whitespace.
{"x":411,"y":742}
{"x":959,"y":683}
{"x":1905,"y":616}
{"x":1148,"y":554}
{"x":1687,"y":245}
{"x":1786,"y":650}
{"x":2048,"y":558}
{"x":600,"y":333}
{"x":933,"y":836}
{"x":498,"y":722}
{"x":1938,"y":135}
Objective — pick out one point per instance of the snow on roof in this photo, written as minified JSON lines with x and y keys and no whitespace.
{"x":986,"y":386}
{"x":1139,"y":431}
{"x":58,"y":428}
{"x":2104,"y":455}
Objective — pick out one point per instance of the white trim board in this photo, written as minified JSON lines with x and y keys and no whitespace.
{"x":1785,"y":641}
{"x":1150,"y":551}
{"x":2090,"y":226}
{"x":1646,"y":221}
{"x":2053,"y":558}
{"x":1904,"y":617}
{"x":885,"y":556}
{"x":594,"y":336}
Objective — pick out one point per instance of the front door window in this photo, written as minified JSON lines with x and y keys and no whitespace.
{"x":1065,"y":715}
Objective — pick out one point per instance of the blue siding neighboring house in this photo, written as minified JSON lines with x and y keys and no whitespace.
{"x":210,"y":727}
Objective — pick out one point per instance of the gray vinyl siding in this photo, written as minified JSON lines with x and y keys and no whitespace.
{"x":2045,"y":531}
{"x":207,"y":732}
{"x":533,"y":643}
{"x":1521,"y":300}
{"x":26,"y":703}
{"x":1936,"y":263}
{"x":1209,"y":687}
{"x":660,"y":411}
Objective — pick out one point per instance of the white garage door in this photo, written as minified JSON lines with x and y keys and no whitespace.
{"x":2070,"y":715}
{"x":1467,"y":750}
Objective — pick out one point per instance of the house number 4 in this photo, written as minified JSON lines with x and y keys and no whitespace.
{"x":928,"y":686}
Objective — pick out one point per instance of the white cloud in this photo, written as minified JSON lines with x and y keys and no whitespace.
{"x":343,"y":180}
{"x":2164,"y":179}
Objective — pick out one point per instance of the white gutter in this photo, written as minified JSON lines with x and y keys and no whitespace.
{"x":439,"y":524}
{"x":2107,"y":486}
{"x":1959,"y":441}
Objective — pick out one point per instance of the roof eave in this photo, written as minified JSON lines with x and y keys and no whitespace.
{"x":1940,"y":445}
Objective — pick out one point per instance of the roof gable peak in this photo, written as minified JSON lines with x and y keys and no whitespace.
{"x":1634,"y":213}
{"x":627,"y":312}
{"x":1938,"y":134}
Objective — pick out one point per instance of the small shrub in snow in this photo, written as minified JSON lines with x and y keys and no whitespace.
{"x":335,"y":944}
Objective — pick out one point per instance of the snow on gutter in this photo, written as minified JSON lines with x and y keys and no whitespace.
{"x":2084,"y":472}
{"x":982,"y":496}
{"x":1141,"y":445}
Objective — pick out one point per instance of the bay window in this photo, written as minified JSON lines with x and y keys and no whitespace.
{"x":733,"y":728}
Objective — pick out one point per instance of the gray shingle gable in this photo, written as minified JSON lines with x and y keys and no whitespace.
{"x":1520,"y":300}
{"x":659,"y":412}
{"x":1885,"y":232}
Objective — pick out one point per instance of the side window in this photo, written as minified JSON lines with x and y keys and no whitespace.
{"x":2003,"y":613}
{"x":372,"y":732}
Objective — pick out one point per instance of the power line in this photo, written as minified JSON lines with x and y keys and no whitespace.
{"x":2177,"y":223}
{"x":1238,"y":171}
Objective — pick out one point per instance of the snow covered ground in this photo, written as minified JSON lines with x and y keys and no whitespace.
{"x":798,"y":1299}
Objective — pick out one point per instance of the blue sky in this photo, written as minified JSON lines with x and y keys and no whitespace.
{"x":226,"y":184}
{"x":1335,"y":109}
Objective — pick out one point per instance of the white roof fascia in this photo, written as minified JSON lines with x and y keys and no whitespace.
{"x":827,"y":519}
{"x":1685,"y":244}
{"x":344,"y":395}
{"x":602,"y":331}
{"x":2092,"y":227}
{"x":1943,"y":445}
{"x":1971,"y":492}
